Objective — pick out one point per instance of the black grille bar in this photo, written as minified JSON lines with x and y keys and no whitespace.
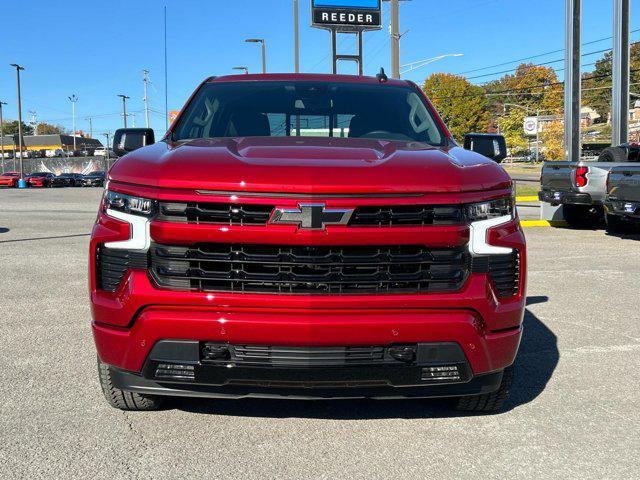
{"x":250,"y":214}
{"x":417,"y":215}
{"x":226,"y":213}
{"x":504,"y":270}
{"x":309,"y":269}
{"x":112,"y":264}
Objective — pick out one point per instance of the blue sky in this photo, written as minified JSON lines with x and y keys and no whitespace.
{"x":98,"y":50}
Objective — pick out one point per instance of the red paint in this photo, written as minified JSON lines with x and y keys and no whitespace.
{"x":129,"y":321}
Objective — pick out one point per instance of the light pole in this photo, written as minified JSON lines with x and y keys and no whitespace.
{"x":2,"y":133}
{"x":261,"y":42}
{"x":18,"y":68}
{"x":107,"y":148}
{"x":296,"y":38}
{"x":395,"y":39}
{"x":124,"y":108}
{"x":73,"y":98}
{"x":90,"y":127}
{"x":146,"y":98}
{"x":244,"y":69}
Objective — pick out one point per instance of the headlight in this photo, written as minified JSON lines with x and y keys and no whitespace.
{"x":129,"y":204}
{"x":491,"y":209}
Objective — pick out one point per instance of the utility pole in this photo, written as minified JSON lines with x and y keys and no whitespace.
{"x":107,"y":149}
{"x":90,"y":127}
{"x":18,"y":68}
{"x":2,"y":133}
{"x":124,"y":108}
{"x":146,"y":98}
{"x":620,"y":97}
{"x":296,"y":37}
{"x":262,"y":45}
{"x":572,"y":83}
{"x":73,"y":98}
{"x":395,"y":39}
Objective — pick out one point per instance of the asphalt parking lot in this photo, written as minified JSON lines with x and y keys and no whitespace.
{"x":574,"y":409}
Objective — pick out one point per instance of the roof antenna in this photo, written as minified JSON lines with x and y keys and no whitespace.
{"x":382,"y":77}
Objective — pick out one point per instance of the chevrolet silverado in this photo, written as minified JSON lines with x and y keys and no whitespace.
{"x":306,"y":237}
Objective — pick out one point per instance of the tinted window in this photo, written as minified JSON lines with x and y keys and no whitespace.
{"x":308,"y":109}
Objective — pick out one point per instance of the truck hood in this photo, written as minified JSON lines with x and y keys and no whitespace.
{"x":308,"y":165}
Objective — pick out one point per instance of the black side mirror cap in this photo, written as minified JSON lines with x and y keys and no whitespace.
{"x":127,"y":140}
{"x":490,"y":145}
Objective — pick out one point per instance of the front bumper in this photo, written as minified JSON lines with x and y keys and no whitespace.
{"x":137,"y":383}
{"x":558,"y":197}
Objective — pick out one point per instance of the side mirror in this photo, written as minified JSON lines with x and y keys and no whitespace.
{"x":127,"y":140}
{"x":490,"y":145}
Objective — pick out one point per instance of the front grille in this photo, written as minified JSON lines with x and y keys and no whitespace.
{"x":300,"y":356}
{"x":112,"y":264}
{"x":226,"y":213}
{"x":504,"y":270}
{"x":249,"y":214}
{"x":309,"y":269}
{"x":416,"y":215}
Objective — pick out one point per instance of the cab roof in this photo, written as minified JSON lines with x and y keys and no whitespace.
{"x":303,"y":77}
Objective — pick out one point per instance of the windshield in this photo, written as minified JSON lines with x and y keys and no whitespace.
{"x":308,"y":109}
{"x":9,"y":174}
{"x":38,"y":174}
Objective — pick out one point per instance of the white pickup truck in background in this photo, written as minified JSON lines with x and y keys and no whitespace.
{"x":581,"y":187}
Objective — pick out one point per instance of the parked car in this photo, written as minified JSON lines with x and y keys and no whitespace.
{"x":87,"y":152}
{"x":239,"y":258}
{"x":580,"y":187}
{"x":622,"y":204}
{"x":9,"y":179}
{"x":94,"y":179}
{"x":103,"y":152}
{"x":25,"y":154}
{"x":56,"y":152}
{"x":72,"y":179}
{"x":6,"y":155}
{"x":40,"y":179}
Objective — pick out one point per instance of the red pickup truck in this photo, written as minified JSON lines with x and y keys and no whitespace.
{"x":306,"y":236}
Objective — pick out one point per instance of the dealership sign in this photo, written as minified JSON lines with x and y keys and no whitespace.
{"x":346,"y":14}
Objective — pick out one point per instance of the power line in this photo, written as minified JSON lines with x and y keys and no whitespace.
{"x":536,"y":56}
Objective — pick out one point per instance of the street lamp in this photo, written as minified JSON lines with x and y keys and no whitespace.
{"x":2,"y":134}
{"x":73,"y":98}
{"x":421,"y":63}
{"x":244,"y":69}
{"x":124,"y":108}
{"x":21,"y":182}
{"x":261,"y":42}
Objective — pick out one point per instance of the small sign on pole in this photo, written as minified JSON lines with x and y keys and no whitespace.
{"x":531,"y":126}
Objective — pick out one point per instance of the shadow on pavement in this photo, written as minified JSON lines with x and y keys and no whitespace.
{"x":537,"y":359}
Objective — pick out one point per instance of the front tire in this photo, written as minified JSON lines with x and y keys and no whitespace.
{"x":121,"y":398}
{"x":488,"y":402}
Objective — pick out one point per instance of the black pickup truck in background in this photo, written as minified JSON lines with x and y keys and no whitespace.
{"x":622,"y":202}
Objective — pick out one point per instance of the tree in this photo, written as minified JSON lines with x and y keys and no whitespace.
{"x":596,"y":85}
{"x":462,"y":105}
{"x":48,"y":129}
{"x":553,"y":140}
{"x":10,"y":127}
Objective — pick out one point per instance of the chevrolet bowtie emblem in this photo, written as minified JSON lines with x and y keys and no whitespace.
{"x":312,"y":216}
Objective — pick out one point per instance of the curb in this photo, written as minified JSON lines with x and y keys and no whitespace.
{"x":542,"y":223}
{"x":531,"y":198}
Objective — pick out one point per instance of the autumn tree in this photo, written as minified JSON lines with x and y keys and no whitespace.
{"x":552,"y":140}
{"x":10,"y":127}
{"x":596,"y":85}
{"x":48,"y":129}
{"x":462,"y":105}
